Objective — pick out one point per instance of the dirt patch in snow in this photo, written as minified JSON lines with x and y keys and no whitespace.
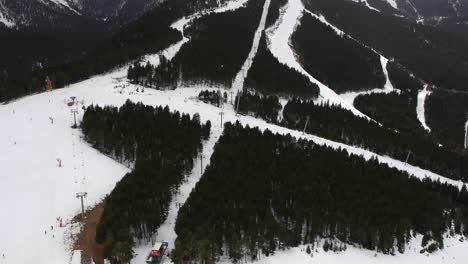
{"x":85,"y":241}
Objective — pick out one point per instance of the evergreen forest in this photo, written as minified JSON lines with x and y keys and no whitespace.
{"x":160,"y":147}
{"x":267,"y":192}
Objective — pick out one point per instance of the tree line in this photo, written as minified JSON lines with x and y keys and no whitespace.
{"x":270,"y":77}
{"x":338,"y":124}
{"x":149,"y":34}
{"x":446,"y":115}
{"x":397,"y":109}
{"x":267,"y":192}
{"x":438,"y":56}
{"x":160,"y":147}
{"x":219,"y":44}
{"x":337,"y":61}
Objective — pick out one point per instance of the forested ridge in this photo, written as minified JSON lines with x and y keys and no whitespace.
{"x":261,"y":106}
{"x":337,"y":61}
{"x":335,"y":123}
{"x":270,"y":77}
{"x":437,"y":56}
{"x":148,"y":34}
{"x":267,"y":192}
{"x":397,"y":109}
{"x":446,"y":115}
{"x":161,"y":145}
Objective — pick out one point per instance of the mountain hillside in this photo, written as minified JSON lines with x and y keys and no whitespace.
{"x":243,"y":131}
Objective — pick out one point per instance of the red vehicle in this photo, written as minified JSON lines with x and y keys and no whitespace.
{"x":157,"y":253}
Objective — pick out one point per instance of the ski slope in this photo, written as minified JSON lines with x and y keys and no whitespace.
{"x":278,"y":39}
{"x":420,"y":107}
{"x":34,"y":191}
{"x":182,"y":23}
{"x":166,"y":231}
{"x":238,"y":83}
{"x":388,"y":87}
{"x":41,"y":191}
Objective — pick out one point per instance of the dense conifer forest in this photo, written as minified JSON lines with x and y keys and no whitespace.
{"x":257,"y":105}
{"x":161,"y":146}
{"x":335,"y":123}
{"x":337,"y":61}
{"x":149,"y":34}
{"x":446,"y":115}
{"x":281,"y":193}
{"x":397,"y":109}
{"x":268,"y":76}
{"x":423,"y":49}
{"x":218,"y":46}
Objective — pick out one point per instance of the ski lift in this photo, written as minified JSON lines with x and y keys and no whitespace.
{"x":157,"y":253}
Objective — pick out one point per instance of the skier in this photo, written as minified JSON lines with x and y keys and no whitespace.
{"x":59,"y":162}
{"x":48,"y":84}
{"x":51,"y":120}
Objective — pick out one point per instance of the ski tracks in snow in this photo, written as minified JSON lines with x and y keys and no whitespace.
{"x":278,"y":40}
{"x":388,"y":87}
{"x":166,"y":232}
{"x":420,"y":107}
{"x":170,"y":52}
{"x":238,"y":83}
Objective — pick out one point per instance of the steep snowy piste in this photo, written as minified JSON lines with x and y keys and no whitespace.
{"x":238,"y":83}
{"x":279,"y":35}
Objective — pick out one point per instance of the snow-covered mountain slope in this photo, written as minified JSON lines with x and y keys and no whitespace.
{"x":31,"y":145}
{"x":36,"y":137}
{"x":279,"y":35}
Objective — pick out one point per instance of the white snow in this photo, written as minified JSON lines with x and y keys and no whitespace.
{"x":34,"y":191}
{"x":466,"y":135}
{"x":453,"y":253}
{"x":278,"y":40}
{"x":324,"y":21}
{"x":393,"y":3}
{"x":63,"y":3}
{"x":166,"y":231}
{"x":420,"y":109}
{"x":4,"y":17}
{"x":366,"y":4}
{"x":238,"y":83}
{"x":388,"y":87}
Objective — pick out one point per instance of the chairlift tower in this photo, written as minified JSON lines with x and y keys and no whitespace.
{"x":82,"y":195}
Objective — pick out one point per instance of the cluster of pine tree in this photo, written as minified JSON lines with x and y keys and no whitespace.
{"x":397,"y":109}
{"x":439,"y":57}
{"x":149,"y":34}
{"x":337,"y":61}
{"x":268,"y":76}
{"x":446,"y":115}
{"x":162,"y":77}
{"x":162,"y":146}
{"x":219,"y":44}
{"x":267,"y":192}
{"x":215,"y":98}
{"x":257,"y":105}
{"x":335,"y":123}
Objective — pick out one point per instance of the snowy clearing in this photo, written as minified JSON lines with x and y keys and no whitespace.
{"x":420,"y":109}
{"x":388,"y":87}
{"x":238,"y":83}
{"x":278,"y":41}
